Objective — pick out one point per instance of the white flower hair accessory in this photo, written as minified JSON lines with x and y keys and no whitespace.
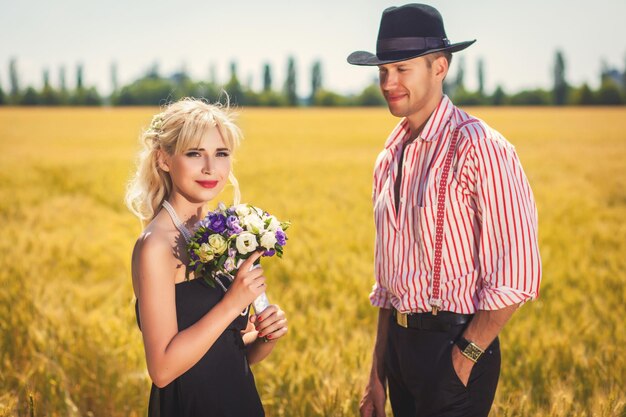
{"x":157,"y":123}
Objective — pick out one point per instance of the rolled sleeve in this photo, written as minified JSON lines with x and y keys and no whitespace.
{"x":508,"y":246}
{"x":380,"y":297}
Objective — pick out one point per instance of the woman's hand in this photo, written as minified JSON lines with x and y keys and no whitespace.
{"x":248,"y":284}
{"x":271,"y":323}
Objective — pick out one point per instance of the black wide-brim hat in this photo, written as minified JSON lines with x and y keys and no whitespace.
{"x":407,"y":32}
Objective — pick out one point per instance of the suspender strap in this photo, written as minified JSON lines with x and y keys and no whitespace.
{"x":435,"y":299}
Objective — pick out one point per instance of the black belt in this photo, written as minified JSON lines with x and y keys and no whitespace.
{"x":443,"y":321}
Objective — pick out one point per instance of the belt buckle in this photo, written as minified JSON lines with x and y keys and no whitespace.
{"x":401,"y":319}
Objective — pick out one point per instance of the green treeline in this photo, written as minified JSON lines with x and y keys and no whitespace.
{"x":153,"y":88}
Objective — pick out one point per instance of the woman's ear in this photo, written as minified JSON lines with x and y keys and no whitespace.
{"x":162,"y":161}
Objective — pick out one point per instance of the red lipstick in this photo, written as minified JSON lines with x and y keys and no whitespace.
{"x":207,"y":184}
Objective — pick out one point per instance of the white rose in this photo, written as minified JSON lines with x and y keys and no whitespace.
{"x":242,"y":210}
{"x":274,"y":224}
{"x":246,"y":243}
{"x":218,"y":244}
{"x":268,"y":240}
{"x":205,"y":253}
{"x":253,"y":223}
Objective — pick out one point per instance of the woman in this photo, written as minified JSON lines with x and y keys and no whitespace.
{"x":198,"y":340}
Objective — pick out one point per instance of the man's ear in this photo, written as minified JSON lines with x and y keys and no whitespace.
{"x":440,"y":67}
{"x":162,"y":161}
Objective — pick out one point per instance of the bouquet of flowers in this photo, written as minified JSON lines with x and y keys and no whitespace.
{"x":228,"y":236}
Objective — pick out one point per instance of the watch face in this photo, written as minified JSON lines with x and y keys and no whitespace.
{"x":472,"y":351}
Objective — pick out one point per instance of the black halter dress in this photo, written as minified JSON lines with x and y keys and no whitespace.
{"x":221,"y":383}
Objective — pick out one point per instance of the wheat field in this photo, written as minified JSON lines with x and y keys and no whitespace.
{"x":69,"y":344}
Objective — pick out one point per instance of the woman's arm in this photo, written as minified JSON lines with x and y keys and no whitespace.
{"x":169,"y":353}
{"x":271,"y":323}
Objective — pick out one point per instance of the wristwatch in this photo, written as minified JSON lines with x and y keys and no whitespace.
{"x":469,"y":349}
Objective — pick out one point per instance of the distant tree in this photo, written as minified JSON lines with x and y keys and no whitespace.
{"x":499,"y":97}
{"x":144,"y":91}
{"x":460,"y":75}
{"x":233,"y":87}
{"x":272,"y":99}
{"x":114,"y":83}
{"x":608,"y":93}
{"x":14,"y":90}
{"x":153,"y":71}
{"x":291,"y":94}
{"x":560,"y":89}
{"x":370,"y":96}
{"x":481,"y":77}
{"x":62,"y":81}
{"x":183,"y":85}
{"x":582,"y":96}
{"x":30,"y":97}
{"x":267,"y":77}
{"x":63,"y":94}
{"x":624,"y":79}
{"x":92,"y":97}
{"x":251,"y":97}
{"x":79,"y":96}
{"x":79,"y":77}
{"x":536,"y":97}
{"x":206,"y":90}
{"x":3,"y":99}
{"x":327,"y":98}
{"x":316,"y":78}
{"x":462,"y":97}
{"x":49,"y":97}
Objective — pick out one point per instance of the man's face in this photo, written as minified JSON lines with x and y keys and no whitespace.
{"x":409,"y":85}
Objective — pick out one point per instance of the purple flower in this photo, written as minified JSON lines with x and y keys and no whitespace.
{"x":217,"y":222}
{"x":281,"y":237}
{"x":204,"y":222}
{"x":270,"y":252}
{"x":232,"y":223}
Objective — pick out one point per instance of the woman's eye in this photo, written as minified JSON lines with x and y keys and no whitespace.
{"x":193,"y":154}
{"x":223,"y":154}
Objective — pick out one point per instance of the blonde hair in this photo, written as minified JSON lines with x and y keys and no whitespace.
{"x":178,"y":127}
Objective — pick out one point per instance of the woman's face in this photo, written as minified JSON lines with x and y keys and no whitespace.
{"x":199,"y":174}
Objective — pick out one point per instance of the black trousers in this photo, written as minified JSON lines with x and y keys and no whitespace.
{"x":422,"y":380}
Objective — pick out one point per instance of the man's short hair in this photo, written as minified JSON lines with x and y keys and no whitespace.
{"x":430,"y":58}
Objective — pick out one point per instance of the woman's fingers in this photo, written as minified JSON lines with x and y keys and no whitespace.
{"x":277,"y":333}
{"x":248,"y":264}
{"x":270,"y":321}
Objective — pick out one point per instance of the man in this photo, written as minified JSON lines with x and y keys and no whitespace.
{"x":456,"y":233}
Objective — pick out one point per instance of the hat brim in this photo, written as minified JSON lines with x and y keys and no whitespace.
{"x":369,"y":59}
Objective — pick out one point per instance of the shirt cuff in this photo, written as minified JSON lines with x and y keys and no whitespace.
{"x":379,"y":297}
{"x":496,"y":298}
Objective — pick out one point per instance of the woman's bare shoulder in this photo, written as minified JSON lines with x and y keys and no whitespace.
{"x":153,"y":251}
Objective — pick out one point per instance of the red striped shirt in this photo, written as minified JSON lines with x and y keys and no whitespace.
{"x":490,"y":256}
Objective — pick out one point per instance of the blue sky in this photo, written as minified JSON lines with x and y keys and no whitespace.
{"x":517,"y":40}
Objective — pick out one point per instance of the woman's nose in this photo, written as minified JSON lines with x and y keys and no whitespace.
{"x":208,"y":165}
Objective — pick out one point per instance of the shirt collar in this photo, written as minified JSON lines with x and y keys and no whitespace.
{"x":398,"y":134}
{"x":437,"y":120}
